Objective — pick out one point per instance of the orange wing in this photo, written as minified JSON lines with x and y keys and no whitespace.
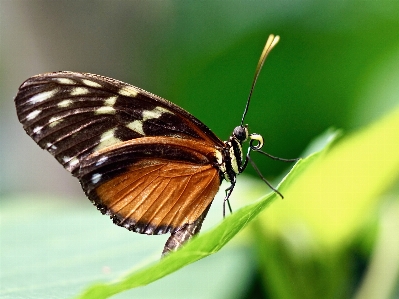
{"x":152,"y":185}
{"x":159,"y":196}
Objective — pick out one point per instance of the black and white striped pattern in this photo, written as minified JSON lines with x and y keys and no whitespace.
{"x":73,"y":115}
{"x":230,"y":158}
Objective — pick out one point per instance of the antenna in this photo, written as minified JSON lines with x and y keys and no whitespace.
{"x":270,"y":43}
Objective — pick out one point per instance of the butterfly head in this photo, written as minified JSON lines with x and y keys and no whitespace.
{"x":241,"y":133}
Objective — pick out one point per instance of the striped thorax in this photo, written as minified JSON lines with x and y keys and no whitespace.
{"x":231,"y":158}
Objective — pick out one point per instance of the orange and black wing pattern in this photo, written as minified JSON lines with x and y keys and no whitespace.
{"x":153,"y":185}
{"x":144,"y":161}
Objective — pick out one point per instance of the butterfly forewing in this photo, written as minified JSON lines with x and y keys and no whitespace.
{"x":72,"y":115}
{"x":141,"y":159}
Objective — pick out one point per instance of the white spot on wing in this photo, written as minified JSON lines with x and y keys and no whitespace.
{"x":110,"y":101}
{"x":95,"y":178}
{"x":33,"y":114}
{"x":55,"y":120}
{"x":79,"y":91}
{"x":136,"y":126}
{"x":128,"y":91}
{"x":105,"y":110}
{"x":40,"y":97}
{"x":108,"y":138}
{"x":90,"y":83}
{"x":51,"y":146}
{"x":73,"y":162}
{"x":37,"y":130}
{"x":64,"y":103}
{"x":101,"y":160}
{"x":156,"y":113}
{"x":65,"y":81}
{"x":70,"y":162}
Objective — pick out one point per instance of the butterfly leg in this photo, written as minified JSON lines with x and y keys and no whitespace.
{"x":247,"y":158}
{"x":262,"y":177}
{"x":228,"y":193}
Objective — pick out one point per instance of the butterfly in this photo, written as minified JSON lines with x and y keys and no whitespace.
{"x":147,"y":163}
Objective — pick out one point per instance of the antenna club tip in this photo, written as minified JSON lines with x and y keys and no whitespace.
{"x":273,"y":40}
{"x":270,"y":43}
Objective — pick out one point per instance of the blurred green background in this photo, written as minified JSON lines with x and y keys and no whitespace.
{"x":336,"y":65}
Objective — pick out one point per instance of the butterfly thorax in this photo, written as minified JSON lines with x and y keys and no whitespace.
{"x":230,"y":157}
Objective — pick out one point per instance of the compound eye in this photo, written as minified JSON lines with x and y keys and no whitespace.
{"x":256,"y":142}
{"x":241,"y":133}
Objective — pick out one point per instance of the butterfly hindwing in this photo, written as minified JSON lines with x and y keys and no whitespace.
{"x":151,"y":185}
